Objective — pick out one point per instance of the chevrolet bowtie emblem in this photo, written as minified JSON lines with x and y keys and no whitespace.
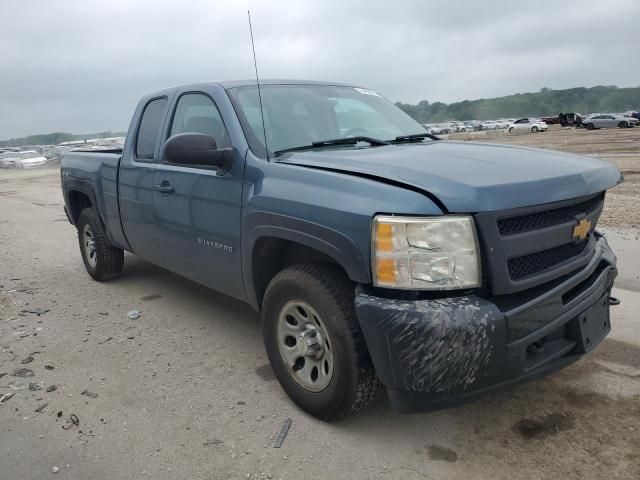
{"x":581,"y":230}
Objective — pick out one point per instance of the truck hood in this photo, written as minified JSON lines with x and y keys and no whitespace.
{"x":469,"y":176}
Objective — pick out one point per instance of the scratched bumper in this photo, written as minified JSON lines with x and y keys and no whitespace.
{"x":435,"y":353}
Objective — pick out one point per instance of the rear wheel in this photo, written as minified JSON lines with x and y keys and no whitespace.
{"x":511,"y":130}
{"x":588,"y":126}
{"x":314,"y":343}
{"x":534,"y":129}
{"x":623,"y":125}
{"x":102,"y":261}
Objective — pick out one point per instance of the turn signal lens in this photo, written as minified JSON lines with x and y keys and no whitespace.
{"x":384,"y":234}
{"x":385,"y":270}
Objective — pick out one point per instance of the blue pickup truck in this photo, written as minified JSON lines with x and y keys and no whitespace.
{"x":378,"y":255}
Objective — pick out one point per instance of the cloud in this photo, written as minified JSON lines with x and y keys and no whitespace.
{"x":81,"y":66}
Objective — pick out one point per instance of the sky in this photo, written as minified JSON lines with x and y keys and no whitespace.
{"x":80,"y":66}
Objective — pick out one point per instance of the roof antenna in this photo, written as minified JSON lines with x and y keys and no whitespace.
{"x":255,"y":65}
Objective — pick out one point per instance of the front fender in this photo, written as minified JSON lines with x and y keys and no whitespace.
{"x":341,"y":248}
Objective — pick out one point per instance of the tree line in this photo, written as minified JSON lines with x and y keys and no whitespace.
{"x":545,"y":102}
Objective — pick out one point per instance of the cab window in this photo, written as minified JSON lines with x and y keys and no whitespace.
{"x":149,"y":129}
{"x":196,"y":113}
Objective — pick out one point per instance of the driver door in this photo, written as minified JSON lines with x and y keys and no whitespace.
{"x":197,"y":210}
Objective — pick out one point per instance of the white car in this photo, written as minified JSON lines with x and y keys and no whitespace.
{"x":502,"y":123}
{"x":30,"y":159}
{"x":457,"y":127}
{"x":531,"y":124}
{"x":609,"y":120}
{"x":9,"y":159}
{"x":433,"y":129}
{"x":489,"y":125}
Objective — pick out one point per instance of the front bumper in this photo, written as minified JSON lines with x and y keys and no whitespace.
{"x":435,"y":353}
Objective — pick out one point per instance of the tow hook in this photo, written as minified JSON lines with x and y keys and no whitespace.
{"x":613,"y":301}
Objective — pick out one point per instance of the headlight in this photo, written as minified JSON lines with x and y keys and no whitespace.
{"x":430,"y":253}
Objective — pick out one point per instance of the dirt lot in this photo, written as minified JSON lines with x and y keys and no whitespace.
{"x":185,"y":391}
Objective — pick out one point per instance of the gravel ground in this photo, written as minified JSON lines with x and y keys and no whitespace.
{"x":185,"y":391}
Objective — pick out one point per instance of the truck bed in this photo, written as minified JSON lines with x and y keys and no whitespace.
{"x":95,"y":173}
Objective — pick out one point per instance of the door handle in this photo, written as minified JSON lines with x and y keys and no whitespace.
{"x":164,"y":187}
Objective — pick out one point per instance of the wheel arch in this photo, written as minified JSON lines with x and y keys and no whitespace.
{"x":271,"y":248}
{"x":79,"y":197}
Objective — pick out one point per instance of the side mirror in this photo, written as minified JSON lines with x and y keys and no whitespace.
{"x":196,"y":150}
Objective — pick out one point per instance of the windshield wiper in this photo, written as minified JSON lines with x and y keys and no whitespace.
{"x":374,"y":142}
{"x":415,"y":137}
{"x":350,"y":140}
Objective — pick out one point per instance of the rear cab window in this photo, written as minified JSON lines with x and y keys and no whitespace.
{"x":149,"y":129}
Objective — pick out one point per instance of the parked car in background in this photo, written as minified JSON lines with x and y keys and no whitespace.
{"x":489,"y":125}
{"x":533,"y":125}
{"x":457,"y":127}
{"x":473,"y":125}
{"x":608,"y":120}
{"x":551,"y":120}
{"x":502,"y":123}
{"x":9,"y":159}
{"x":30,"y":159}
{"x":433,"y":129}
{"x":445,"y":128}
{"x":570,"y":119}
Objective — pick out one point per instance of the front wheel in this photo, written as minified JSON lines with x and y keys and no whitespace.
{"x":623,"y":125}
{"x":511,"y":130}
{"x":314,"y":343}
{"x":102,"y":261}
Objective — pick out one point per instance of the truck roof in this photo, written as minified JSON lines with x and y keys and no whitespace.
{"x":227,"y":84}
{"x":277,"y":81}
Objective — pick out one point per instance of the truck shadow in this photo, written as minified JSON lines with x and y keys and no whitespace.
{"x":161,"y":283}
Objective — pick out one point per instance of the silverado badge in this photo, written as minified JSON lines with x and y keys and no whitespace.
{"x":581,"y":230}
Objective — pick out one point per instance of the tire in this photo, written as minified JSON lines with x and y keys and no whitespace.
{"x":324,"y":293}
{"x":511,"y":130}
{"x":589,"y":126}
{"x":534,"y":129}
{"x":102,"y":261}
{"x":623,"y":125}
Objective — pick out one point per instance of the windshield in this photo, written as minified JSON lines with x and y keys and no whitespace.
{"x":27,"y":155}
{"x":298,"y":115}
